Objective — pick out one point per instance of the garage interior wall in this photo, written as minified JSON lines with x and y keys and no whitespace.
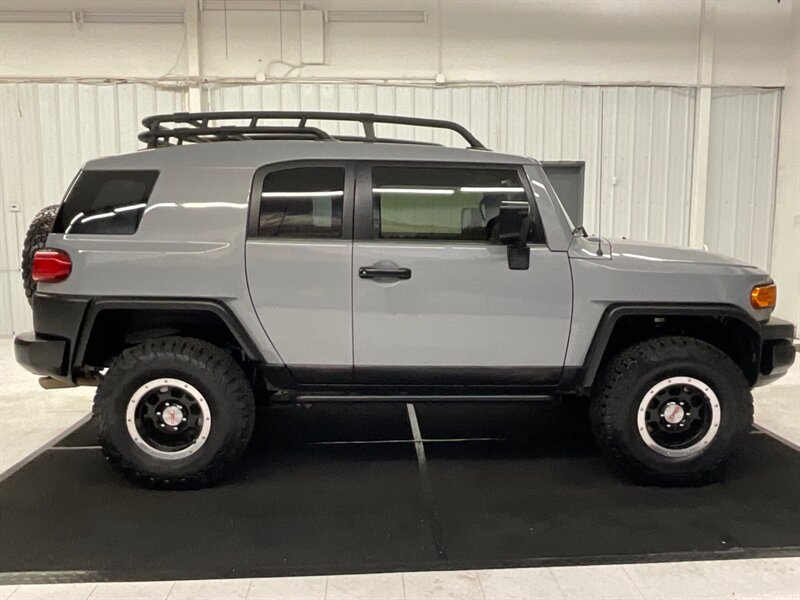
{"x":717,"y":134}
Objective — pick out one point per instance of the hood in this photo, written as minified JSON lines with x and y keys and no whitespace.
{"x":666,"y":253}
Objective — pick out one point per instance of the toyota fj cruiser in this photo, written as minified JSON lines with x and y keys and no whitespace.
{"x":236,"y":259}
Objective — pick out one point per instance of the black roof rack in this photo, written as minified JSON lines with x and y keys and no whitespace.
{"x":162,"y":128}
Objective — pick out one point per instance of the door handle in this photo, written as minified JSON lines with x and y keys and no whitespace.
{"x":388,"y":273}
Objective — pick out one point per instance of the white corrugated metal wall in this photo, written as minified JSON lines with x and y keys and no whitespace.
{"x":47,"y":131}
{"x":642,"y":136}
{"x":646,"y":136}
{"x":743,"y":147}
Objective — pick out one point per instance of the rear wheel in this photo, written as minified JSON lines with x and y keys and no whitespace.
{"x":36,"y":239}
{"x":671,"y":410}
{"x":174,"y":413}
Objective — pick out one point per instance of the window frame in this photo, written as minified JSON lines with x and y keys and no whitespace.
{"x":347,"y":198}
{"x":364,"y":222}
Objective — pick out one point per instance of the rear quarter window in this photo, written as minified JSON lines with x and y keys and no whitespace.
{"x":106,"y":202}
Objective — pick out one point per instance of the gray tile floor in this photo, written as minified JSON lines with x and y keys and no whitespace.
{"x":30,"y":417}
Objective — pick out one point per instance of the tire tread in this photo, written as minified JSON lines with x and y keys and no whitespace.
{"x":36,"y":239}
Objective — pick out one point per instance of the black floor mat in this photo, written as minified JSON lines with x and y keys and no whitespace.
{"x":526,"y":488}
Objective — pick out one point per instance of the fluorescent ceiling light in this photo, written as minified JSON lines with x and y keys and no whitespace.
{"x":35,"y":16}
{"x":284,"y":5}
{"x":432,"y":192}
{"x":130,"y":207}
{"x":499,"y":190}
{"x":131,"y":17}
{"x":107,"y":215}
{"x":301,"y":194}
{"x":80,"y":16}
{"x":376,"y":16}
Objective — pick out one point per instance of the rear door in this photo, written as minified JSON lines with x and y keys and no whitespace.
{"x":299,"y":256}
{"x":434,"y":299}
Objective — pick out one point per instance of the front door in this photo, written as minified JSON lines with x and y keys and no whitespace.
{"x":434,"y":300}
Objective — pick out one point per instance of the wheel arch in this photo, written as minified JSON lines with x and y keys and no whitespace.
{"x":727,"y":327}
{"x":111,"y":325}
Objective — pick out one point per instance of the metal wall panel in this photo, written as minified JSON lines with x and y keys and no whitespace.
{"x":743,"y":149}
{"x":636,"y":143}
{"x":646,"y":132}
{"x":48,"y":131}
{"x":647,"y":163}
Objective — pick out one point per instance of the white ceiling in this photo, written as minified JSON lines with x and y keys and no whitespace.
{"x":177,"y":5}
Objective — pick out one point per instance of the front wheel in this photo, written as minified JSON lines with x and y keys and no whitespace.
{"x":174,"y":413}
{"x":671,"y":410}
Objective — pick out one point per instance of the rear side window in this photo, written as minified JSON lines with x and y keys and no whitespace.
{"x":441,"y":203}
{"x":302,"y":202}
{"x":106,"y":202}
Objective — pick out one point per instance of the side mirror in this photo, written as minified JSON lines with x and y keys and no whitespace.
{"x":513,"y":225}
{"x":513,"y":222}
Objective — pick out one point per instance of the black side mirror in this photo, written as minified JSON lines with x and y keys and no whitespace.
{"x":514,"y":223}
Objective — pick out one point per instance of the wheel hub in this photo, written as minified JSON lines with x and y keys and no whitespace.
{"x":168,"y":418}
{"x":678,"y":417}
{"x":673,"y":413}
{"x":172,"y":415}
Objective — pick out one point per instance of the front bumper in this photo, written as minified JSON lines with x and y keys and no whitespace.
{"x":42,"y":356}
{"x":777,"y":350}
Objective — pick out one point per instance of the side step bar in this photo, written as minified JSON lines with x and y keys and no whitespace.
{"x":307,"y":398}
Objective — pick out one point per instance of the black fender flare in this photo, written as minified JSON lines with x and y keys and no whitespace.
{"x":215,"y":307}
{"x":583,"y":377}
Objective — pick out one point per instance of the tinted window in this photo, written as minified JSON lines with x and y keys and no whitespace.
{"x":432,"y":203}
{"x":106,"y":202}
{"x":303,"y":202}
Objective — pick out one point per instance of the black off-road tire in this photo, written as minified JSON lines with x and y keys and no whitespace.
{"x":626,"y":379}
{"x":35,"y":239}
{"x":216,"y":376}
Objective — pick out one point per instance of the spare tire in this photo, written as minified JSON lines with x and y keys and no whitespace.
{"x":36,"y":239}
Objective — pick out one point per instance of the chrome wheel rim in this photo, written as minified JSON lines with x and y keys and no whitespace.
{"x":168,"y":418}
{"x":678,"y":417}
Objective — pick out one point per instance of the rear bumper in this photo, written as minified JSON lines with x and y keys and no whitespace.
{"x":49,"y":349}
{"x":777,"y":350}
{"x":42,"y":356}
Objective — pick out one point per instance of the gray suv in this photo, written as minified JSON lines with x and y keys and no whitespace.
{"x":237,"y":258}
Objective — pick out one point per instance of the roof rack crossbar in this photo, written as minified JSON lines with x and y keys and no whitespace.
{"x":157,"y":135}
{"x":198,"y":134}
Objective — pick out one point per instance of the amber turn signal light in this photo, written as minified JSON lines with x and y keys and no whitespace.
{"x":764,"y":296}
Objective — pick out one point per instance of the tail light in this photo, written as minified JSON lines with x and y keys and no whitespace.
{"x":51,"y":266}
